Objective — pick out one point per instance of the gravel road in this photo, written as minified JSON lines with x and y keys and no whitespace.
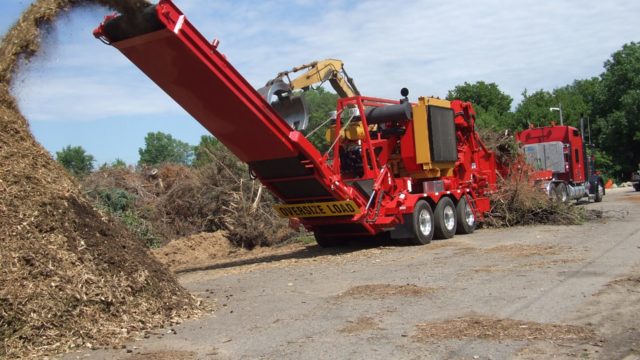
{"x":526,"y":293}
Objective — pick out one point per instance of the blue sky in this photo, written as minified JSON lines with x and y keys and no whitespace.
{"x":81,"y":92}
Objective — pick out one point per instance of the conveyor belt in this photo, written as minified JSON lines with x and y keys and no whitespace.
{"x":172,"y":53}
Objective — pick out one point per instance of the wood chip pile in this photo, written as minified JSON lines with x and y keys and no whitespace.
{"x":69,"y":276}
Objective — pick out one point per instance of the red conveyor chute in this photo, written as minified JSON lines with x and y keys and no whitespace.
{"x":192,"y":72}
{"x":170,"y":51}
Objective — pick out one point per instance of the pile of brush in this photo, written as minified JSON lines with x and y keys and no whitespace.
{"x":502,"y":143}
{"x":171,"y":201}
{"x":519,"y":201}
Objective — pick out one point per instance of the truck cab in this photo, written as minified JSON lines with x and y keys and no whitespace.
{"x":561,"y":150}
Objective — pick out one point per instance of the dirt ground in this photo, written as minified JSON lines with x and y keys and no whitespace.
{"x":534,"y":292}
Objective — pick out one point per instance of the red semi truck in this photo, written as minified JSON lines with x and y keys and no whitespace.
{"x":559,"y":153}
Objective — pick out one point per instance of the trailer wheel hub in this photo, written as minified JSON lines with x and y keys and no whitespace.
{"x":424,"y":219}
{"x":449,"y":218}
{"x":468,"y":215}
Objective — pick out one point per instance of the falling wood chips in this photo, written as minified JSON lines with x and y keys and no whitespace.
{"x":488,"y":328}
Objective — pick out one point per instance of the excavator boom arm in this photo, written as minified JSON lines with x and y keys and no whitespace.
{"x":331,"y":70}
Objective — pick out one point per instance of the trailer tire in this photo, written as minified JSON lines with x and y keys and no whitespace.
{"x":466,"y":218}
{"x":422,"y":223}
{"x":562,"y":195}
{"x":445,"y":219}
{"x":552,"y":191}
{"x":599,"y":193}
{"x":324,"y":241}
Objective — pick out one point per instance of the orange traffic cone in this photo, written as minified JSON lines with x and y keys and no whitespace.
{"x":609,"y":184}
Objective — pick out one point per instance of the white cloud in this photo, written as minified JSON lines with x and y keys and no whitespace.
{"x":89,"y":98}
{"x":434,"y":46}
{"x":425,"y":45}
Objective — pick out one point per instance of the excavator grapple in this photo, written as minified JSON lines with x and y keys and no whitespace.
{"x":394,"y":167}
{"x":291,"y":107}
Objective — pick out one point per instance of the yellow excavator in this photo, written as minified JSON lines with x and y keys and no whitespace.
{"x":285,"y":94}
{"x":331,"y":70}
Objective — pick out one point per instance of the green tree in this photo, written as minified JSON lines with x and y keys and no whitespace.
{"x":76,"y":160}
{"x":160,"y":148}
{"x":321,"y":103}
{"x":534,"y":109}
{"x":116,"y":164}
{"x":211,"y":150}
{"x":577,"y":100}
{"x":485,"y":95}
{"x":205,"y":150}
{"x":617,"y":110}
{"x":493,"y":107}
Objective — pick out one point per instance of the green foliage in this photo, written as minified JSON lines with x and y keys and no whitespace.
{"x":576,"y":99}
{"x":140,"y":227}
{"x":617,"y":110}
{"x":116,"y":164}
{"x":304,"y":238}
{"x":163,"y":148}
{"x":534,"y":109}
{"x":605,"y":164}
{"x":493,"y":107}
{"x":75,"y":160}
{"x":116,"y":200}
{"x":121,"y":204}
{"x":205,"y":149}
{"x":486,"y":95}
{"x":211,"y":151}
{"x":493,"y":120}
{"x":321,"y":103}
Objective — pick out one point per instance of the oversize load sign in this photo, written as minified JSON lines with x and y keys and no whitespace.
{"x":322,"y":209}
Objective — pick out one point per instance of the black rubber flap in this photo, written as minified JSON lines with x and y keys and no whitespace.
{"x":131,"y":25}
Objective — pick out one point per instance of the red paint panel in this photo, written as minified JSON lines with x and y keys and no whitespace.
{"x":209,"y":89}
